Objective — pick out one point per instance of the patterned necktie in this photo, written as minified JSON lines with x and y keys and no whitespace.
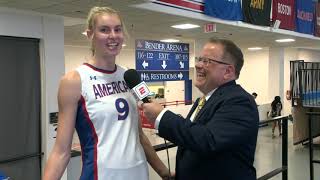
{"x":201,"y":103}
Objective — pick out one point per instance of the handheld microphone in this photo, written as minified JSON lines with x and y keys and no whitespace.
{"x":140,"y":89}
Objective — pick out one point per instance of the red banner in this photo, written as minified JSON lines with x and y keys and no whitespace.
{"x":284,"y":11}
{"x":196,"y":6}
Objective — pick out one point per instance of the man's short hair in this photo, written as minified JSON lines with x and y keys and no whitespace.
{"x":232,"y":52}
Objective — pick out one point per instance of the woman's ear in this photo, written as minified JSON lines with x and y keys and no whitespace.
{"x":89,"y":34}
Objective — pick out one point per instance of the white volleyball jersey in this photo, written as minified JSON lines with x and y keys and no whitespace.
{"x":107,"y":124}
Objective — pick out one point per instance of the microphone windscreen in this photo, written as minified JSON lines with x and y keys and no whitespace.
{"x":132,"y":78}
{"x":140,"y":89}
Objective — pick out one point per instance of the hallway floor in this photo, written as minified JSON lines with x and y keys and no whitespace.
{"x":268,"y":157}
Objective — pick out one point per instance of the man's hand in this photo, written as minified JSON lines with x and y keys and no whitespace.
{"x":151,"y":110}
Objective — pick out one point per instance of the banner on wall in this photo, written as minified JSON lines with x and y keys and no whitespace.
{"x":256,"y":12}
{"x":304,"y":16}
{"x":284,"y":11}
{"x":317,"y":20}
{"x":224,"y":9}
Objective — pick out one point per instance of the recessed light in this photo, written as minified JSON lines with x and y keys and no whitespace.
{"x":124,"y":45}
{"x":84,"y":33}
{"x":254,"y":48}
{"x":170,"y":40}
{"x":185,"y":26}
{"x":285,"y":40}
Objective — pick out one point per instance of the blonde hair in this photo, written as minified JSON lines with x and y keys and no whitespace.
{"x":96,"y":11}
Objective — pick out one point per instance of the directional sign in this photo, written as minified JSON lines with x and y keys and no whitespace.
{"x":157,"y":60}
{"x":156,"y":55}
{"x":150,"y":76}
{"x":159,"y":56}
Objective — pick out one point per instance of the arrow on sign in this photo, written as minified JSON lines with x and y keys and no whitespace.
{"x":164,"y":64}
{"x":180,"y":75}
{"x":181,"y":65}
{"x":145,"y":64}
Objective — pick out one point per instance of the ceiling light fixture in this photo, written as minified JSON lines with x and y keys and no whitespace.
{"x":185,"y":26}
{"x":254,"y":48}
{"x":84,"y":33}
{"x":285,"y":40}
{"x":170,"y":40}
{"x":124,"y":45}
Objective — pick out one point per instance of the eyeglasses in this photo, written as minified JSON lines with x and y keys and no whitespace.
{"x":206,"y":61}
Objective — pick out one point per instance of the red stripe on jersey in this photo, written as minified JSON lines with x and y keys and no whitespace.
{"x":101,"y":70}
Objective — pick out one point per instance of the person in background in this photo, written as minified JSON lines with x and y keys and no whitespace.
{"x":95,"y":100}
{"x":160,"y":93}
{"x":276,"y":107}
{"x":217,"y":139}
{"x":254,"y":95}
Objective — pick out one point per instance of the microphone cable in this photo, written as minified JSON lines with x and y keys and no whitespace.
{"x":168,"y":159}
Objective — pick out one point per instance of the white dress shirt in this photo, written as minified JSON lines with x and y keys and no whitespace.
{"x":158,"y":119}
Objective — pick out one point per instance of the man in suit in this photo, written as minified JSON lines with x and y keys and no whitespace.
{"x":217,"y":139}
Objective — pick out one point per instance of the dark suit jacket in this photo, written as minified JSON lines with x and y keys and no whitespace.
{"x":220,"y":143}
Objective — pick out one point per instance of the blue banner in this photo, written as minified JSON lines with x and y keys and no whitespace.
{"x":305,"y":15}
{"x":166,"y":60}
{"x":224,"y":9}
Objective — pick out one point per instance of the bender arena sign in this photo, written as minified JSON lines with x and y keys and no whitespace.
{"x":161,"y":61}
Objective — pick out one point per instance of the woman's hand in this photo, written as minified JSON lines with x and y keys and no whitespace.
{"x":168,"y":176}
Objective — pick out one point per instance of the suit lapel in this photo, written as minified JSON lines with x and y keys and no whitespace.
{"x":180,"y":148}
{"x":213,"y":98}
{"x":193,"y":108}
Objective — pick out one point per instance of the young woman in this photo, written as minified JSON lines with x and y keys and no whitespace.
{"x":94,"y":100}
{"x":276,"y":107}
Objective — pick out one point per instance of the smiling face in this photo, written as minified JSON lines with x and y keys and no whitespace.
{"x":106,"y":35}
{"x":214,"y":74}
